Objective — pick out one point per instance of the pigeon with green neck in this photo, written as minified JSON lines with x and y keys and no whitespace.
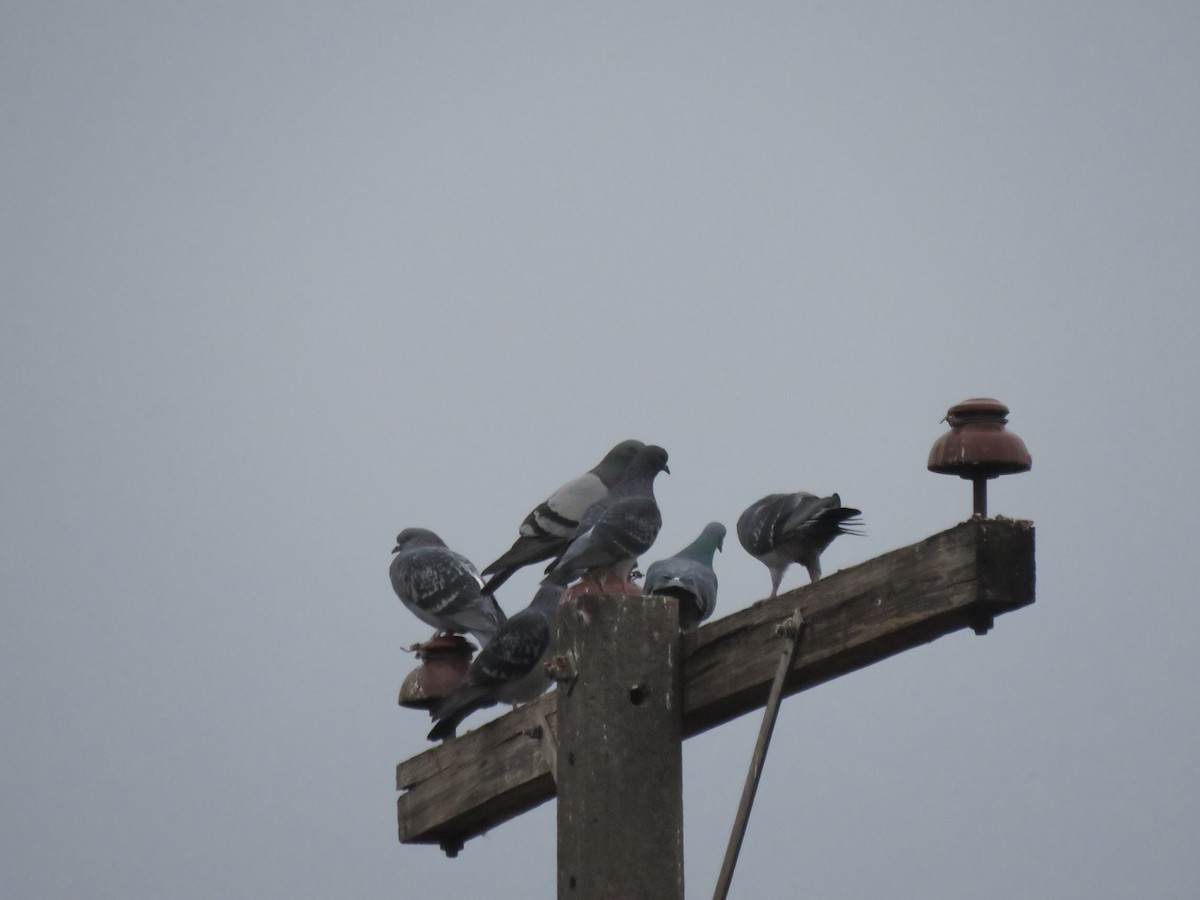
{"x":689,"y":577}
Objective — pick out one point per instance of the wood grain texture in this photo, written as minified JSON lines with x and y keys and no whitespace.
{"x":460,"y":789}
{"x":960,"y":578}
{"x":620,"y":773}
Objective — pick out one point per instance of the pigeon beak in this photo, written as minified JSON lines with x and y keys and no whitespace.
{"x":395,"y":549}
{"x":666,"y":468}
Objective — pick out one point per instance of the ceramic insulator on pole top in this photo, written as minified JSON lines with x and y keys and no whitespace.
{"x":978,"y":447}
{"x":444,"y":663}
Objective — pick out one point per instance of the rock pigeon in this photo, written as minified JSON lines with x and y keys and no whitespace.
{"x":615,"y":531}
{"x":510,"y":669}
{"x":689,"y":576}
{"x":442,"y":588}
{"x":547,"y":530}
{"x":781,"y":529}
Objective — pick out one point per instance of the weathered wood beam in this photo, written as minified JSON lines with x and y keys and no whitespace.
{"x":460,"y":789}
{"x":960,"y":578}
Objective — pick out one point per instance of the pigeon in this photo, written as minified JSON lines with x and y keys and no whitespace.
{"x":442,"y":588}
{"x":547,"y":530}
{"x":781,"y":529}
{"x":615,"y":531}
{"x":689,"y":576}
{"x":510,"y":669}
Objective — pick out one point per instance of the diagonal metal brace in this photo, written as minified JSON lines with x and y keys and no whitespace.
{"x":790,"y":630}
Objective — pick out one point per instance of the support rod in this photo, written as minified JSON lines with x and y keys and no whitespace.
{"x":791,"y":630}
{"x":979,"y":496}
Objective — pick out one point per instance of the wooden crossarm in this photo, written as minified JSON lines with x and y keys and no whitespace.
{"x":960,"y":578}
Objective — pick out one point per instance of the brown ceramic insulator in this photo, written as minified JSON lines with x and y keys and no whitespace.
{"x":444,"y":663}
{"x":978,"y":446}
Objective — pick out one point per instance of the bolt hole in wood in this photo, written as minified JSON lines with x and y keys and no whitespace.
{"x":570,"y":759}
{"x":572,"y":882}
{"x":637,"y":694}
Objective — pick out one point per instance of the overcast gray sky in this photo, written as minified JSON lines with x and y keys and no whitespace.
{"x":280,"y":279}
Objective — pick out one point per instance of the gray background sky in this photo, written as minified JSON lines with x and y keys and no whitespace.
{"x":280,"y":279}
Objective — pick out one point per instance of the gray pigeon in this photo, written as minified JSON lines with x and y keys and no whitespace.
{"x":547,"y":530}
{"x":510,"y":669}
{"x":781,"y":529}
{"x":442,"y":588}
{"x":689,"y":576}
{"x":615,"y":531}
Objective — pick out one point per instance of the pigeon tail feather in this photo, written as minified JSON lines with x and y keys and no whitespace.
{"x":450,"y":712}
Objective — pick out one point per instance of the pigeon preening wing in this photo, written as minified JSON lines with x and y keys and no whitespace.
{"x":510,"y":669}
{"x":442,"y":588}
{"x":689,"y":576}
{"x":615,"y":531}
{"x":781,"y":529}
{"x":547,"y":530}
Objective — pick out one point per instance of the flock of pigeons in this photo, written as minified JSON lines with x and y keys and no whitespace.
{"x":592,"y":530}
